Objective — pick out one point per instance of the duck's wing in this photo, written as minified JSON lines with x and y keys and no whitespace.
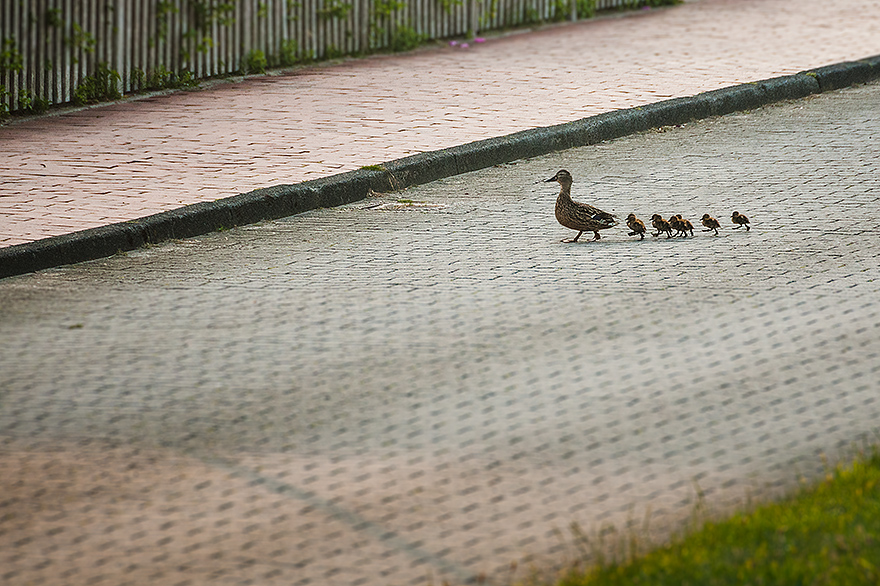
{"x":581,"y":216}
{"x":596,"y":215}
{"x":604,"y":217}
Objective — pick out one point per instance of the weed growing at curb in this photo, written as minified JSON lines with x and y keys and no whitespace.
{"x":100,"y":87}
{"x":405,"y":38}
{"x":255,"y":62}
{"x":160,"y":78}
{"x":32,"y":104}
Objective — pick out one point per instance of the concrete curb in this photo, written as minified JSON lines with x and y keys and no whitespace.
{"x":286,"y":200}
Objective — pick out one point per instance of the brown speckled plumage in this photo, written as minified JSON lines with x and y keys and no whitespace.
{"x":740,"y":221}
{"x":686,"y":226}
{"x":636,"y":226}
{"x":676,"y":225}
{"x":576,"y":215}
{"x":661,"y":225}
{"x":710,"y":223}
{"x":681,"y":226}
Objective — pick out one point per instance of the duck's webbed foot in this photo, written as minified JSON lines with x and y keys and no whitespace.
{"x":575,"y":239}
{"x":596,"y":237}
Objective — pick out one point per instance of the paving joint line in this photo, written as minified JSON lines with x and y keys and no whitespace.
{"x":388,"y":537}
{"x":286,"y":200}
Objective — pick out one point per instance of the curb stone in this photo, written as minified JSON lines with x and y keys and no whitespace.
{"x":286,"y":200}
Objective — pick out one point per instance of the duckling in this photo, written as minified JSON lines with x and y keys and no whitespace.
{"x":575,"y":215}
{"x":636,"y":225}
{"x":661,"y":225}
{"x":680,"y":225}
{"x":740,"y":221}
{"x":686,"y":225}
{"x":710,"y":223}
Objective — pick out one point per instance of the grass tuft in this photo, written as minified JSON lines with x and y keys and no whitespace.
{"x":827,"y":534}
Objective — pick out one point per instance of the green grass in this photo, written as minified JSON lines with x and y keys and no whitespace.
{"x":826,"y":534}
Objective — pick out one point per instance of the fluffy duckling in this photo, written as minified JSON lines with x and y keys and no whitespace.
{"x":686,"y":225}
{"x":575,"y":215}
{"x":740,"y":221}
{"x":636,"y":225}
{"x":710,"y":223}
{"x":661,"y":225}
{"x":680,"y":225}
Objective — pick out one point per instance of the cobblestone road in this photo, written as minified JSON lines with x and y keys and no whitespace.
{"x":429,"y":386}
{"x":98,"y":166}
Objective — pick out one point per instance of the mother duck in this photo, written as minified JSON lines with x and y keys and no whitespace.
{"x":575,"y":215}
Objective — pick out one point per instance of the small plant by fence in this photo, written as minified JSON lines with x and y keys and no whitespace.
{"x":85,"y":51}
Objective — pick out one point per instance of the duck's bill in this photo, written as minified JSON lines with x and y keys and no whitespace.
{"x":550,"y":180}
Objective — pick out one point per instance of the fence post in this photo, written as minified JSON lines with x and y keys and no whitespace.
{"x":473,"y":19}
{"x":118,"y":50}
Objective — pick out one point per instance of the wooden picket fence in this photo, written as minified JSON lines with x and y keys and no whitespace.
{"x":61,"y":51}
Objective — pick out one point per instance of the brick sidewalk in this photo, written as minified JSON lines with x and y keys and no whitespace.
{"x":386,"y":394}
{"x":97,"y":166}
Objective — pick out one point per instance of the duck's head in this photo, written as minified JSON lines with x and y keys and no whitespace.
{"x":630,"y":217}
{"x":563,"y":177}
{"x":734,"y":214}
{"x":706,"y":217}
{"x":656,"y":217}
